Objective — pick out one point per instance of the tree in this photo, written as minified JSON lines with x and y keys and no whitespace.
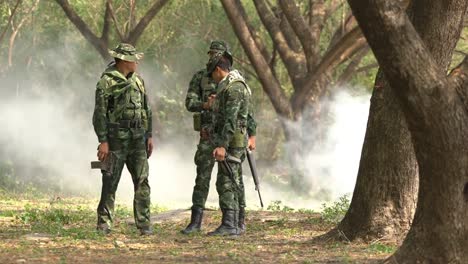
{"x":131,"y":35}
{"x":388,"y":162}
{"x":297,"y":40}
{"x":10,"y":19}
{"x":436,"y":110}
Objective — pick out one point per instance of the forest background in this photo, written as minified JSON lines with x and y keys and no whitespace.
{"x":48,"y":73}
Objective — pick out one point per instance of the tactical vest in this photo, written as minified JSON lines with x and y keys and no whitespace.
{"x":126,"y":99}
{"x":205,"y":118}
{"x":239,"y":139}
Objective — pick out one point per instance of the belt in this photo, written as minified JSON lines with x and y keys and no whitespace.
{"x":135,"y":123}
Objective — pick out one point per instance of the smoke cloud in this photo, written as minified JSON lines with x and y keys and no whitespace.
{"x":49,"y":127}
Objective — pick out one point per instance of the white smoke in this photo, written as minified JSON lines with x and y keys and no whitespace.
{"x":332,"y":168}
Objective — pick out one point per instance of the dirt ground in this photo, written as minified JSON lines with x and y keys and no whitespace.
{"x":61,"y":230}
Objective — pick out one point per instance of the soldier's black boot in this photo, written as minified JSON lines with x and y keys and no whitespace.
{"x":103,"y":228}
{"x":241,"y":225}
{"x":228,"y":225}
{"x":146,"y":231}
{"x":195,"y":221}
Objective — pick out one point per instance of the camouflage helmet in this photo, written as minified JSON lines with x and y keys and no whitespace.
{"x":219,"y":46}
{"x":126,"y":52}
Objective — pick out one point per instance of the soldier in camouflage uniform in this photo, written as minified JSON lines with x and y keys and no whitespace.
{"x":232,"y":110}
{"x":122,"y":122}
{"x":200,"y":95}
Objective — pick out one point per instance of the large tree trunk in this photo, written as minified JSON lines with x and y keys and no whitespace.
{"x":385,"y":195}
{"x":388,"y":162}
{"x":437,"y":120}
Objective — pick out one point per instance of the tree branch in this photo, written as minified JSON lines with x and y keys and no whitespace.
{"x":299,"y":25}
{"x":116,"y":24}
{"x":352,"y":67}
{"x":96,"y":42}
{"x":295,"y":63}
{"x":17,"y":29}
{"x":136,"y":33}
{"x":106,"y":24}
{"x":408,"y":66}
{"x":270,"y":85}
{"x":459,"y":75}
{"x":10,"y":19}
{"x":347,"y":47}
{"x":317,"y":14}
{"x":256,"y":37}
{"x":342,"y":30}
{"x":288,"y":32}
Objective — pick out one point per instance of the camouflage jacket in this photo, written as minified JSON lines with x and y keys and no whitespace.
{"x":120,"y":98}
{"x":233,"y":112}
{"x":200,"y":88}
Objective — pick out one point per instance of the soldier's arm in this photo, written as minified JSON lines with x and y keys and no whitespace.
{"x":100,"y":109}
{"x":251,"y":123}
{"x":234,"y":99}
{"x":194,"y":100}
{"x":149,"y":116}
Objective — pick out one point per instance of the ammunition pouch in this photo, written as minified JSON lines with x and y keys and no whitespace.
{"x":205,"y":134}
{"x":239,"y":140}
{"x":197,"y":121}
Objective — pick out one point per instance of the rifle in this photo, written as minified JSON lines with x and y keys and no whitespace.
{"x":253,"y":170}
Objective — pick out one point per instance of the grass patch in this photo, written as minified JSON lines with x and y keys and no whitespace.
{"x":335,"y":212}
{"x":381,"y":248}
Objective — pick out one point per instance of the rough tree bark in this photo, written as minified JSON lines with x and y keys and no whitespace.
{"x":435,"y":108}
{"x":101,"y":44}
{"x":296,"y":39}
{"x":388,"y":162}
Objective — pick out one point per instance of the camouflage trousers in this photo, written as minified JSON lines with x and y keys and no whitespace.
{"x":231,"y":188}
{"x":205,"y":162}
{"x":130,"y":152}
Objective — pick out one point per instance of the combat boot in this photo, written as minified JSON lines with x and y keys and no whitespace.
{"x":146,"y":231}
{"x":228,"y":225}
{"x":241,"y":225}
{"x":103,"y":229}
{"x":195,"y":221}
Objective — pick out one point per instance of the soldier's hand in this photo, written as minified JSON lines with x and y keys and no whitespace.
{"x":149,"y":147}
{"x":103,"y":151}
{"x":209,"y":104}
{"x":219,"y":153}
{"x":252,"y":143}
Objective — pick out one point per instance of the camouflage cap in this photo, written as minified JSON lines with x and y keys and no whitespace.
{"x":126,"y":52}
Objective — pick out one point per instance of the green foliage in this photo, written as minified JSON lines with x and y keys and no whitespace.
{"x":7,"y":175}
{"x":381,"y":248}
{"x":336,"y":211}
{"x":277,"y":206}
{"x":60,"y":221}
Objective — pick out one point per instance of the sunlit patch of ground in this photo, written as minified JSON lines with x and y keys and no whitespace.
{"x":61,"y":230}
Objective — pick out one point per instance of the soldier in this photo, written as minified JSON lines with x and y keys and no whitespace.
{"x":122,"y":122}
{"x":232,"y":109}
{"x":200,"y":97}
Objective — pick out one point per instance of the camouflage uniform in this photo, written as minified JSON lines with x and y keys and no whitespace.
{"x":233,"y":110}
{"x":200,"y":88}
{"x":122,"y":117}
{"x":233,"y":120}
